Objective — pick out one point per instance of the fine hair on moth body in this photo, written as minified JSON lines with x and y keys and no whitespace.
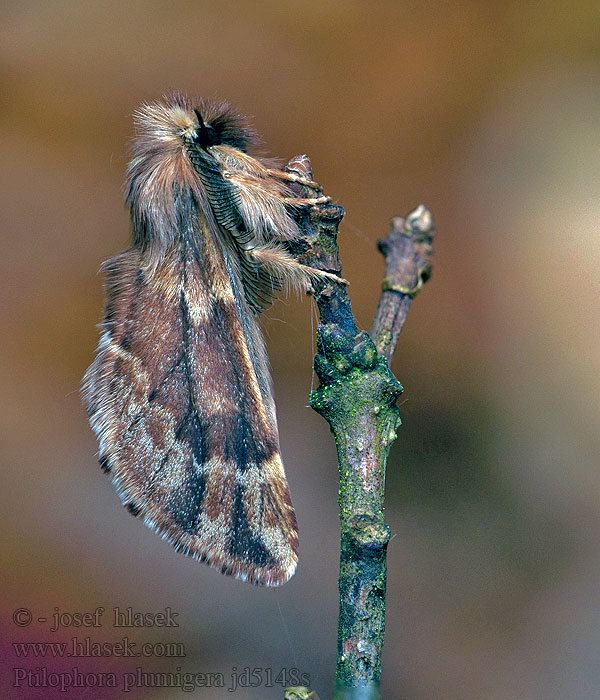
{"x":179,"y":394}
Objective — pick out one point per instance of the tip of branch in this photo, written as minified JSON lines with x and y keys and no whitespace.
{"x":407,"y":251}
{"x":419,"y":224}
{"x":420,"y":221}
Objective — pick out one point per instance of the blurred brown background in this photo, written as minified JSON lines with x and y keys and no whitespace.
{"x":489,"y":114}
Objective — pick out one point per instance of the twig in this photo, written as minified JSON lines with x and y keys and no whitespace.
{"x":357,"y":396}
{"x":407,"y":251}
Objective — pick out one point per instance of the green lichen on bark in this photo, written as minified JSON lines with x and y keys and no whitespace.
{"x":357,"y":396}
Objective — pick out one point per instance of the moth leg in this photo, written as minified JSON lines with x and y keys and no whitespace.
{"x":313,"y":272}
{"x":306,"y":201}
{"x":281,"y":264}
{"x":291,"y":177}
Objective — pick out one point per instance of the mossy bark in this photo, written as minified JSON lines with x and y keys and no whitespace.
{"x":357,"y":396}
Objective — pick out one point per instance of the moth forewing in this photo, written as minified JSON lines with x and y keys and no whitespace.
{"x":179,"y":394}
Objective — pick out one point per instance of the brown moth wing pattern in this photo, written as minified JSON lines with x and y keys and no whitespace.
{"x":185,"y":420}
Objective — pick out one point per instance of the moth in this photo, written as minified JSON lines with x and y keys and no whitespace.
{"x":179,"y":394}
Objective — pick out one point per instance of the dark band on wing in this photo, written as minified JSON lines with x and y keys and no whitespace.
{"x":243,"y":543}
{"x":186,"y":504}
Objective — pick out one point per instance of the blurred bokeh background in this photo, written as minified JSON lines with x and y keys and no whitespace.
{"x":486,"y":112}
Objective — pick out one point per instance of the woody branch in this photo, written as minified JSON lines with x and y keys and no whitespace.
{"x":357,"y":396}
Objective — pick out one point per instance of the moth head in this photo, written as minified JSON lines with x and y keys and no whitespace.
{"x":160,"y":165}
{"x":205,"y":135}
{"x":218,"y":124}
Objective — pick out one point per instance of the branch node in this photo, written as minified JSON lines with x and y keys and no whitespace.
{"x":369,"y":532}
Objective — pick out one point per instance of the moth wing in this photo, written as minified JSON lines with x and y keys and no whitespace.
{"x":185,"y":422}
